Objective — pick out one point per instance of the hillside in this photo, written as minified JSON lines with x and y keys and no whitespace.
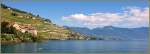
{"x":45,"y":28}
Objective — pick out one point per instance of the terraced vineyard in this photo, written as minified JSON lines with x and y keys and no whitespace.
{"x":45,"y":28}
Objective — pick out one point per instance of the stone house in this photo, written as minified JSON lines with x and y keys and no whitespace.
{"x":20,"y":16}
{"x":25,"y":28}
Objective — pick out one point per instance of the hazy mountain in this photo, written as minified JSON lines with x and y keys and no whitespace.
{"x":115,"y":32}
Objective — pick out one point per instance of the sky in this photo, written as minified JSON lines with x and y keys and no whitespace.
{"x":123,"y":14}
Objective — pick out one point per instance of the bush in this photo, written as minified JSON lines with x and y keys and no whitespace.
{"x":93,"y":38}
{"x":4,"y":6}
{"x":47,"y":20}
{"x":4,"y":28}
{"x":14,"y":14}
{"x":7,"y":37}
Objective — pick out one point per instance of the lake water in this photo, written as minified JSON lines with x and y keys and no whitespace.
{"x":78,"y":46}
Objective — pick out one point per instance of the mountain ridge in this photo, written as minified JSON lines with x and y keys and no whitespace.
{"x":123,"y":33}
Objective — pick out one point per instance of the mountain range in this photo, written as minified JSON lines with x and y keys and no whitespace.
{"x":114,"y":32}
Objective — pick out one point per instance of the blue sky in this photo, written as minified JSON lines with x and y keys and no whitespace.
{"x":55,"y":11}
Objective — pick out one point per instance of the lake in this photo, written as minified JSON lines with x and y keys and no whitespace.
{"x":78,"y":46}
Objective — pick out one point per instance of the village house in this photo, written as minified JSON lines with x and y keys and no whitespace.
{"x":20,"y":16}
{"x":33,"y":17}
{"x":9,"y":8}
{"x":25,"y":28}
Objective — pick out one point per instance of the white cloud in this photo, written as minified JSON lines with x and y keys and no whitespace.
{"x":132,"y":17}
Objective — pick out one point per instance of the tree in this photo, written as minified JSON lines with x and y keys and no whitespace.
{"x":47,"y":20}
{"x":38,"y":16}
{"x":14,"y":14}
{"x":4,"y":27}
{"x":3,"y":6}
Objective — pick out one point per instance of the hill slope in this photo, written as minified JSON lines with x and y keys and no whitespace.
{"x":45,"y":28}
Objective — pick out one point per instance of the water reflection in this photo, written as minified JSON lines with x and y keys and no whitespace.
{"x":78,"y":46}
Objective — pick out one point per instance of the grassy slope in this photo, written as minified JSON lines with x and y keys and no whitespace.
{"x":38,"y":23}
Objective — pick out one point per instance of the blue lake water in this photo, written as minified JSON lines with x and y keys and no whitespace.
{"x":78,"y":46}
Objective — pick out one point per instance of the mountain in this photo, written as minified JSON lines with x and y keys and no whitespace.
{"x":15,"y":23}
{"x":115,"y":32}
